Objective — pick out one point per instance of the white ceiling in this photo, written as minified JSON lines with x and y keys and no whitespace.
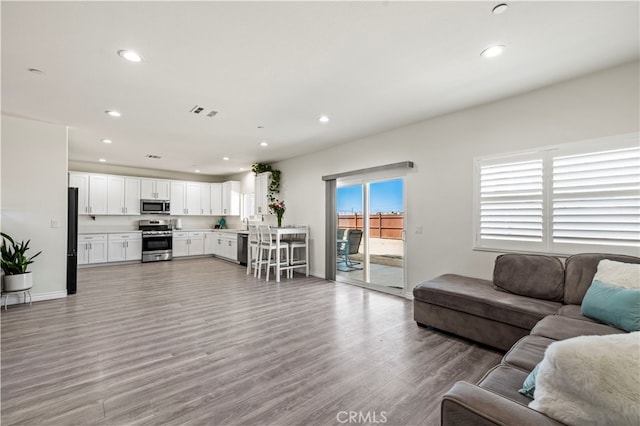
{"x":370,"y":66}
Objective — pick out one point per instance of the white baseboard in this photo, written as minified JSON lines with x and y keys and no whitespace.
{"x":14,"y":299}
{"x":408,"y":295}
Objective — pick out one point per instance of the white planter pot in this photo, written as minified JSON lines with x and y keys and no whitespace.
{"x":18,"y":282}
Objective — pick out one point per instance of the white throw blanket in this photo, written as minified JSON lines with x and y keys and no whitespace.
{"x":591,"y":380}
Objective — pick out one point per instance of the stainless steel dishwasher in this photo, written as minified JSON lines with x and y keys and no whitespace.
{"x":243,"y":246}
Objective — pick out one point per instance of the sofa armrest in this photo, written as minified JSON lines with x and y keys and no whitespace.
{"x":467,"y":404}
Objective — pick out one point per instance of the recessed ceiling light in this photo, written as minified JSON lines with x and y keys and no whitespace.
{"x":106,"y":140}
{"x":499,"y":9}
{"x":225,"y":158}
{"x":130,"y":55}
{"x":264,"y":143}
{"x":493,"y":51}
{"x":242,"y":169}
{"x":197,"y":170}
{"x":323,"y":119}
{"x":102,"y":160}
{"x":113,"y":113}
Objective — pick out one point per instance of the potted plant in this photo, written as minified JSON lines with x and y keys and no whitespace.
{"x":14,"y":263}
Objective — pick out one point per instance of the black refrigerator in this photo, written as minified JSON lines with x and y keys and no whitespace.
{"x":72,"y":240}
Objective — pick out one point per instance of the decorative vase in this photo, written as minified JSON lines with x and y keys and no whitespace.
{"x":279,"y":214}
{"x":18,"y":282}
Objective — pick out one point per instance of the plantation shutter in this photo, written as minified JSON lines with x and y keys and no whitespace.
{"x":596,"y":199}
{"x":511,"y":202}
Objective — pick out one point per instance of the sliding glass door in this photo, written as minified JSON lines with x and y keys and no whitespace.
{"x":370,"y":233}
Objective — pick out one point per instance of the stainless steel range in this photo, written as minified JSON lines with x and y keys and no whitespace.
{"x":157,"y":240}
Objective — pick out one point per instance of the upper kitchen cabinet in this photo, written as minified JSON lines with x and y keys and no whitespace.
{"x":205,"y":199}
{"x":216,"y":199}
{"x":185,"y":198}
{"x":155,"y":189}
{"x":98,"y":194}
{"x":123,"y":195}
{"x":231,"y":198}
{"x":81,"y":181}
{"x":92,"y":192}
{"x":262,"y":193}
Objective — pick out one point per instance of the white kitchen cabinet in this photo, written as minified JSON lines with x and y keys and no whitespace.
{"x":97,"y":194}
{"x":180,"y":244}
{"x":192,"y":198}
{"x":155,"y":189}
{"x":185,"y":198}
{"x":125,"y":246}
{"x":188,"y":243}
{"x":216,"y":199}
{"x":226,"y":245}
{"x":210,"y":242}
{"x":262,"y":193}
{"x":123,"y":195}
{"x":92,"y":192}
{"x":196,"y":243}
{"x":92,"y":248}
{"x":178,"y":207}
{"x":115,"y":194}
{"x":132,"y":196}
{"x":231,"y":198}
{"x":205,"y":199}
{"x":81,"y":181}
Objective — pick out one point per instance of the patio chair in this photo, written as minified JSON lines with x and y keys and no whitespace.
{"x":348,"y":245}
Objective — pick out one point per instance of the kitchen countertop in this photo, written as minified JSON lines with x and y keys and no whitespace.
{"x":123,"y":231}
{"x":106,"y":231}
{"x":230,"y":231}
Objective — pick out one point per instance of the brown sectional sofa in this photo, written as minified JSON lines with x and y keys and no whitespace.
{"x":524,"y":326}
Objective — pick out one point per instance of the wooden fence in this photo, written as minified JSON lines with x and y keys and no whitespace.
{"x":381,"y":225}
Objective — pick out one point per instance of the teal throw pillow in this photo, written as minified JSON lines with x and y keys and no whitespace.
{"x":616,"y":306}
{"x":529,"y":385}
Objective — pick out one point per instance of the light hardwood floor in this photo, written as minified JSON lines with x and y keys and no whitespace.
{"x":199,"y":342}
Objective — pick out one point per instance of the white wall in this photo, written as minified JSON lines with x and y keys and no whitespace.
{"x":34,"y":192}
{"x":440,"y":188}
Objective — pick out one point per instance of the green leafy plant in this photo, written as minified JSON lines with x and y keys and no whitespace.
{"x":13,"y":259}
{"x":274,"y":181}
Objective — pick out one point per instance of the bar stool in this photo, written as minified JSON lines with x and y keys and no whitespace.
{"x":252,"y":250}
{"x":298,"y":241}
{"x":268,"y":244}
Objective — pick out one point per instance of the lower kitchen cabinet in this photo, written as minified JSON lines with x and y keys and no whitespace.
{"x":125,"y":246}
{"x":221,"y":244}
{"x":188,"y":243}
{"x":226,"y":245}
{"x":210,"y":242}
{"x":92,"y":248}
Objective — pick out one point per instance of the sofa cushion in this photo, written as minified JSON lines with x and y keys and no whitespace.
{"x":541,"y":277}
{"x":573,"y":311}
{"x":559,"y":328}
{"x":620,"y":274}
{"x":591,"y":380}
{"x":527,"y":352}
{"x":529,"y":385}
{"x":478,"y":297}
{"x":580,"y":269}
{"x":616,"y":306}
{"x":505,"y":381}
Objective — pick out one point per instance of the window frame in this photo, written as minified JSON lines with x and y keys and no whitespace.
{"x":547,"y":154}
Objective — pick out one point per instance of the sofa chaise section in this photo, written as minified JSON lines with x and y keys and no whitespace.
{"x":473,"y":308}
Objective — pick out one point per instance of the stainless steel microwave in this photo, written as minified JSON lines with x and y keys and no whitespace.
{"x":155,"y":207}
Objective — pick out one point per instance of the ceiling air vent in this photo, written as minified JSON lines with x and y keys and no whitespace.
{"x":153,"y":156}
{"x":198,"y":110}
